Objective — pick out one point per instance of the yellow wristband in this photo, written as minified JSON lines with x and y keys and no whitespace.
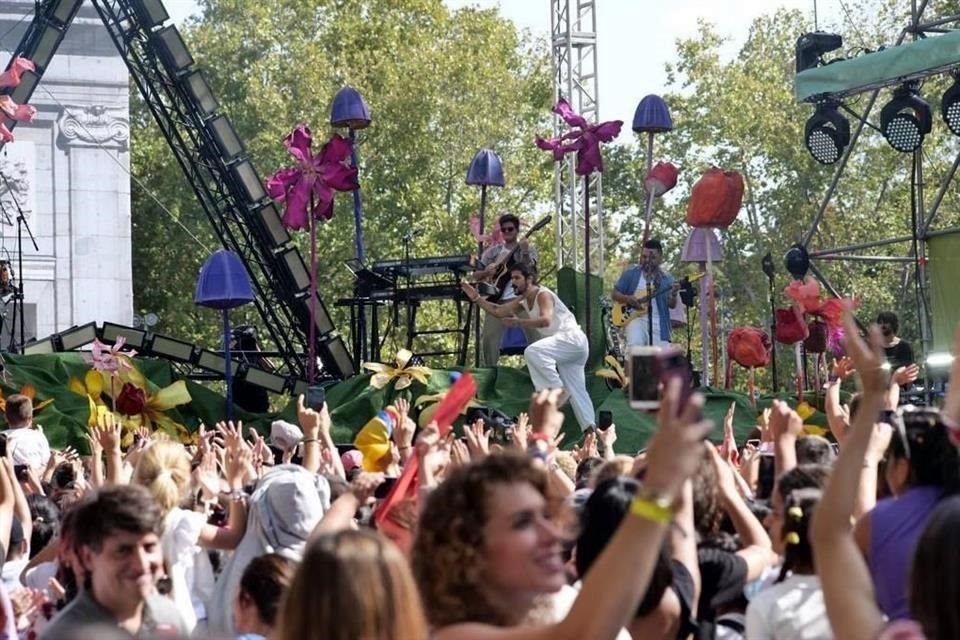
{"x":650,"y":510}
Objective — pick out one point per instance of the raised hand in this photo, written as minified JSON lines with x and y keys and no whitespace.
{"x":236,"y":461}
{"x":478,"y":441}
{"x":469,"y":290}
{"x":868,"y":358}
{"x":906,"y":375}
{"x":763,"y":423}
{"x":608,"y":437}
{"x":364,"y":486}
{"x":107,"y":432}
{"x":843,"y":368}
{"x":728,"y":447}
{"x":784,"y":421}
{"x":232,"y":435}
{"x":521,"y":432}
{"x":406,"y":427}
{"x":545,"y":417}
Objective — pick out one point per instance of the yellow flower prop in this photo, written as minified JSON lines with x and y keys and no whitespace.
{"x":31,"y":392}
{"x":805,"y":410}
{"x":402,"y":373}
{"x":136,"y":402}
{"x":615,"y":372}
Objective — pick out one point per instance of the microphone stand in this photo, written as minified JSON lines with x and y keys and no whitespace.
{"x":767,"y":264}
{"x":21,"y":225}
{"x":650,"y":302}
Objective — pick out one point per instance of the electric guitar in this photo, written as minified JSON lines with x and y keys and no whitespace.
{"x":498,"y":274}
{"x":624,"y":313}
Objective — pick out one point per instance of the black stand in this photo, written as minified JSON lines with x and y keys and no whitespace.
{"x":767,"y":264}
{"x":650,"y":303}
{"x":21,"y":225}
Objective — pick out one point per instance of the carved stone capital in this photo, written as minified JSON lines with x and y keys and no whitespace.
{"x":93,"y":126}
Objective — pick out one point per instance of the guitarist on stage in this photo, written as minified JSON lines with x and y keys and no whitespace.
{"x":490,"y":262}
{"x":643,"y":280}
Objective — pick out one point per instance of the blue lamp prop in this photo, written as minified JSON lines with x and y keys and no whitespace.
{"x":651,"y":117}
{"x":351,"y":112}
{"x":486,"y":170}
{"x":224,"y":284}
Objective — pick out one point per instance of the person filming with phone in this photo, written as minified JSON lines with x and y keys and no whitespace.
{"x":649,"y":292}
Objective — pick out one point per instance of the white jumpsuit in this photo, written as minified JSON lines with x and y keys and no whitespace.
{"x":558,"y":357}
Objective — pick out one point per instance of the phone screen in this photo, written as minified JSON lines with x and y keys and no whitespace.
{"x":316,"y":398}
{"x":604,"y":420}
{"x":644,"y":378}
{"x":766,"y":476}
{"x":674,"y":364}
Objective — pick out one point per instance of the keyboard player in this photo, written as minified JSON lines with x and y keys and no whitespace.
{"x":491,"y":259}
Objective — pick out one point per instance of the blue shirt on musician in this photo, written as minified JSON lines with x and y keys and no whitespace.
{"x":627,"y":285}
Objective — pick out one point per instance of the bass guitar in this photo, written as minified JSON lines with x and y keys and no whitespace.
{"x":493,"y":285}
{"x":622,"y":314}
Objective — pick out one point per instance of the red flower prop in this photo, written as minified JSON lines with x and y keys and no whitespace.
{"x":311,"y":182}
{"x":790,"y":326}
{"x":584,"y":138}
{"x":715,"y":199}
{"x":132,"y":400}
{"x":662,"y":177}
{"x":749,"y":347}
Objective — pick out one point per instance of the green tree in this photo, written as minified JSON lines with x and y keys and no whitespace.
{"x":740,"y":114}
{"x":440,"y":85}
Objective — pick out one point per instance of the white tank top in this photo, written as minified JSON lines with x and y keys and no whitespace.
{"x":563,"y":320}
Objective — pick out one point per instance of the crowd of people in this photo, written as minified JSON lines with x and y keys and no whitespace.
{"x":783,"y":536}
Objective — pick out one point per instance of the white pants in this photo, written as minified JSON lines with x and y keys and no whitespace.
{"x":637,"y":333}
{"x":558,"y":362}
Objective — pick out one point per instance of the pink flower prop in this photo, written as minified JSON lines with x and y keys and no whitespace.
{"x":313,"y":177}
{"x":110,"y":360}
{"x":18,"y":112}
{"x":5,"y":134}
{"x":493,"y":237}
{"x":806,"y":293}
{"x":662,"y":177}
{"x":11,"y":77}
{"x":584,"y":138}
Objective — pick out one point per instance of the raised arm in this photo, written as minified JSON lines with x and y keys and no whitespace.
{"x":499,"y":310}
{"x":844,"y":576}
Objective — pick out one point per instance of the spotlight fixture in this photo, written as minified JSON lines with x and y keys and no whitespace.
{"x":950,"y":106}
{"x":906,"y":120}
{"x":827,"y":133}
{"x":76,"y":337}
{"x":810,"y":48}
{"x":134,"y":337}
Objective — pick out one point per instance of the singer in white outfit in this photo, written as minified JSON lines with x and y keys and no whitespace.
{"x":557,"y":358}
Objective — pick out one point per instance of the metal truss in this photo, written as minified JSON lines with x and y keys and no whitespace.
{"x":574,"y":45}
{"x":221,"y":193}
{"x":922,"y":216}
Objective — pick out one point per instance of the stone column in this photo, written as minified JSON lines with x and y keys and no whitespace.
{"x":96,"y":139}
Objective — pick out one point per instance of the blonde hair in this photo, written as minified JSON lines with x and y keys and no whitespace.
{"x":164,"y":469}
{"x":613,"y":468}
{"x":367,"y":592}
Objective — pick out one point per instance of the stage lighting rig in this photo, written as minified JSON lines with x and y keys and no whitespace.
{"x":950,"y":105}
{"x":827,"y":133}
{"x":811,"y":47}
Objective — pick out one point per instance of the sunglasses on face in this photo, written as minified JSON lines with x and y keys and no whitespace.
{"x":508,"y":229}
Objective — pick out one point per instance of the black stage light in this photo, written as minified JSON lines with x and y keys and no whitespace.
{"x":906,"y":120}
{"x":827,"y":133}
{"x":950,"y":106}
{"x":811,"y":46}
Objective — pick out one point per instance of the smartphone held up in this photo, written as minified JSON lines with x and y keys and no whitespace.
{"x":650,"y":369}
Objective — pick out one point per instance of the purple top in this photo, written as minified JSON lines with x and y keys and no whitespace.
{"x":895,"y":526}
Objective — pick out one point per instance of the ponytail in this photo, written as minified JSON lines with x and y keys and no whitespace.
{"x":798,"y":514}
{"x":164,"y":469}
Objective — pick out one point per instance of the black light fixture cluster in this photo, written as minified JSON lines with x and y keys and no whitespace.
{"x":905,"y":121}
{"x":149,"y":344}
{"x":222,"y":141}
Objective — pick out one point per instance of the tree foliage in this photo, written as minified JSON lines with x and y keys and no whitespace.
{"x":440,"y":85}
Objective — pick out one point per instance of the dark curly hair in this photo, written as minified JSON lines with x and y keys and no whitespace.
{"x":707,"y":512}
{"x":448,"y":549}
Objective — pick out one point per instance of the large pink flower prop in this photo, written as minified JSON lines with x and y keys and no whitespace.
{"x":110,"y":360}
{"x":11,"y":77}
{"x":493,"y":237}
{"x":584,"y":138}
{"x":313,"y":179}
{"x":18,"y":112}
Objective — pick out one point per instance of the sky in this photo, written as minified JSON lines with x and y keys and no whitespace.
{"x":631,"y":58}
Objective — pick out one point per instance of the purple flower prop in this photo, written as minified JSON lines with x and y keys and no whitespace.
{"x":584,"y":138}
{"x":313,"y":179}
